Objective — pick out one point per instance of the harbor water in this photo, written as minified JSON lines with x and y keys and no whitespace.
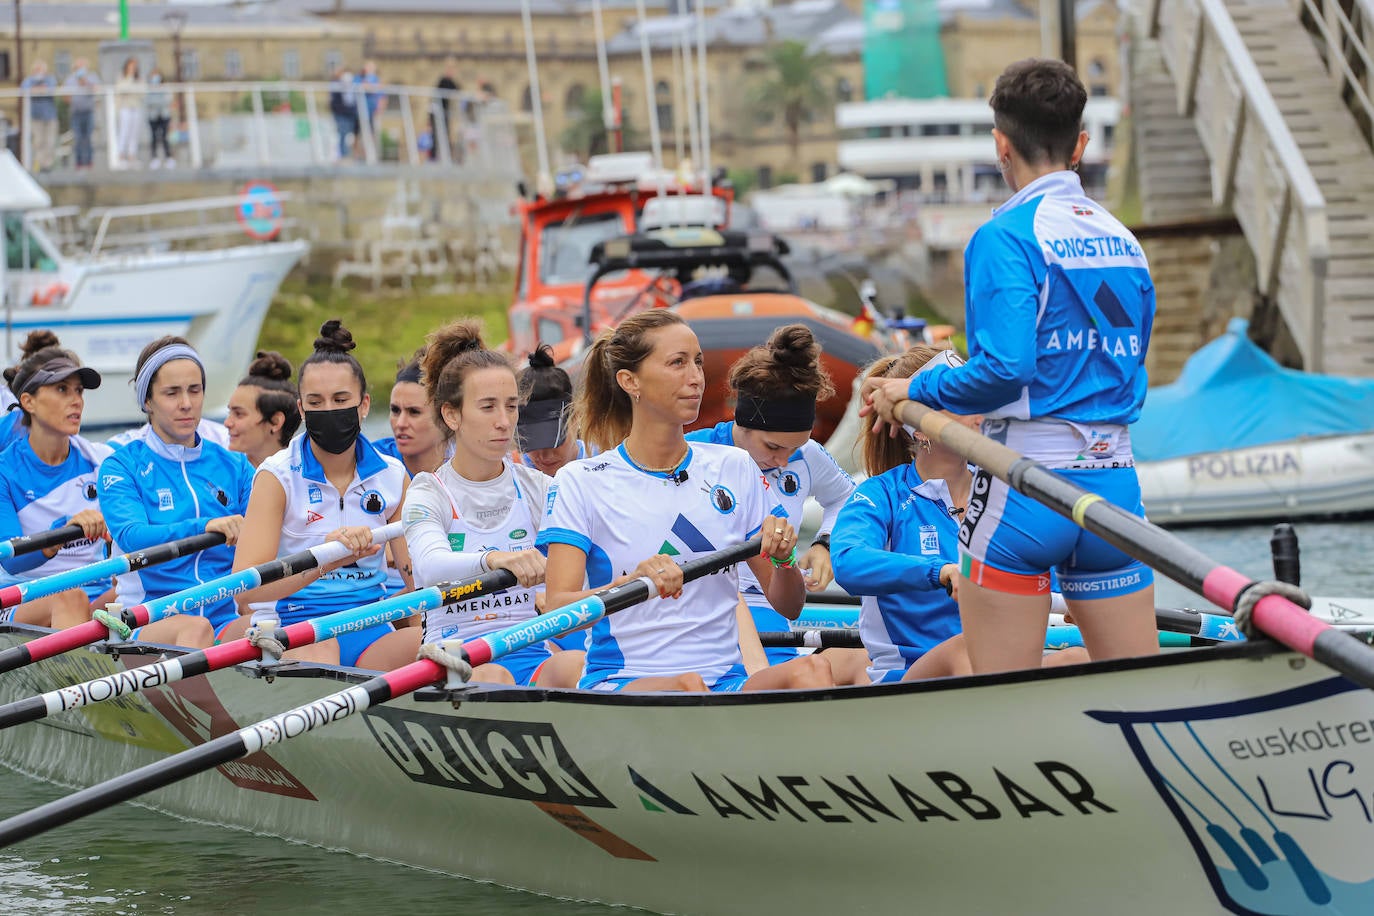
{"x":134,"y":861}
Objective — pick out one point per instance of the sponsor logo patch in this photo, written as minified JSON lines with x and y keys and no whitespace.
{"x":165,"y":502}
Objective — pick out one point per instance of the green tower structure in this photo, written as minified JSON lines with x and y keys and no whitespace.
{"x":902,"y":54}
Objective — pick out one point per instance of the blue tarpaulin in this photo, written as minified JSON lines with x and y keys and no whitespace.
{"x":1232,"y":394}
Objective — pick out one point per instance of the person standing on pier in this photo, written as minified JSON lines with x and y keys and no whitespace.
{"x":42,"y":116}
{"x":83,"y":81}
{"x":129,"y":90}
{"x":1059,"y":306}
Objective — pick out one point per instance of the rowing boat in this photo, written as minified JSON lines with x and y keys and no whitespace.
{"x":1240,"y":774}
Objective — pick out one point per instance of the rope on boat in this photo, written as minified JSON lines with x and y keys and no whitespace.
{"x":458,"y":667}
{"x":1251,"y":595}
{"x":264,"y":639}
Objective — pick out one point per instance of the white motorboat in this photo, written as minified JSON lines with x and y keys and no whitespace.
{"x":122,"y":291}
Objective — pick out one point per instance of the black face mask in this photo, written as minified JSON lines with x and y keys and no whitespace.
{"x":335,"y":431}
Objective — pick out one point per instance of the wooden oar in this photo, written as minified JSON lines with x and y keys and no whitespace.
{"x":355,"y":699}
{"x":188,"y":600}
{"x":28,"y":543}
{"x":1273,"y":615}
{"x":28,"y":590}
{"x":226,"y":655}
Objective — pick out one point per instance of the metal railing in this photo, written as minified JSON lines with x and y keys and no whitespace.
{"x":237,"y":124}
{"x":1345,"y":41}
{"x":1281,"y":211}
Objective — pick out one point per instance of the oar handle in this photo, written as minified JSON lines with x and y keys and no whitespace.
{"x":1275,"y":616}
{"x":28,"y":543}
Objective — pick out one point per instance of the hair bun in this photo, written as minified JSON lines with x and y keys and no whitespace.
{"x":542,"y":358}
{"x":334,"y":338}
{"x":794,"y":345}
{"x":10,"y":373}
{"x":272,"y":365}
{"x":38,"y":340}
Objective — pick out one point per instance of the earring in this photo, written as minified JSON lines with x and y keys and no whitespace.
{"x":636,"y":397}
{"x":1074,"y":165}
{"x":923,"y":444}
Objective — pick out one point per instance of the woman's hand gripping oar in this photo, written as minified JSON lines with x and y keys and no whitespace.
{"x":243,"y":650}
{"x":28,"y":543}
{"x":187,"y":600}
{"x":1252,"y":602}
{"x":355,"y":699}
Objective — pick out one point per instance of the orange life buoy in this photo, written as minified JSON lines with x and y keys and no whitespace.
{"x":49,"y":294}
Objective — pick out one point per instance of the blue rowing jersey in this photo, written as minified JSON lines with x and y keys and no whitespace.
{"x":36,"y":496}
{"x":1058,"y":306}
{"x":891,"y":540}
{"x":11,"y":429}
{"x":152,"y":492}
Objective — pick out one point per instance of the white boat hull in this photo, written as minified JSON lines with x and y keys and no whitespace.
{"x":1328,"y":476}
{"x":115,"y":306}
{"x":1043,"y":792}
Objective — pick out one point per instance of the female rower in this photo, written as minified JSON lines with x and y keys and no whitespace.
{"x":775,"y":387}
{"x":329,"y":484}
{"x":1059,"y":305}
{"x":545,"y":433}
{"x":264,"y":410}
{"x":50,"y":480}
{"x":642,"y":383}
{"x":171,"y":483}
{"x":480,"y":511}
{"x":12,"y":428}
{"x":416,"y":439}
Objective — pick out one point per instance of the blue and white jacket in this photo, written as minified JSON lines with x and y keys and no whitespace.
{"x":152,"y":492}
{"x":1058,"y":305}
{"x":891,"y":540}
{"x":36,"y":497}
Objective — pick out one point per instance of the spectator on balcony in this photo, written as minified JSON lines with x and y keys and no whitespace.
{"x":83,"y":82}
{"x":129,"y":89}
{"x":42,"y":116}
{"x":374,"y":102}
{"x":159,"y":104}
{"x":447,"y":85}
{"x":343,"y":106}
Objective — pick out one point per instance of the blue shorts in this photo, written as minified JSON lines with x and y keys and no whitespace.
{"x":732,"y":681}
{"x":353,"y":645}
{"x":524,"y":664}
{"x":1009,"y":542}
{"x":572,"y":642}
{"x":886,"y":675}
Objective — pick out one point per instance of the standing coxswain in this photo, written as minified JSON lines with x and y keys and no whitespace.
{"x":1059,"y":306}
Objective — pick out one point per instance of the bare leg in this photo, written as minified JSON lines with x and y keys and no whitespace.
{"x":324,"y":653}
{"x":563,"y":669}
{"x":804,"y":673}
{"x":236,"y":629}
{"x":492,"y":673}
{"x":1074,"y":656}
{"x":180,"y":630}
{"x":391,"y":651}
{"x":1120,"y":627}
{"x":849,"y":667}
{"x":1003,"y":632}
{"x":690,"y":682}
{"x":65,"y":609}
{"x":948,"y":659}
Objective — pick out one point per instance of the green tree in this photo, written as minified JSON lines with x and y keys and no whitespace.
{"x":586,"y":133}
{"x":796,"y":87}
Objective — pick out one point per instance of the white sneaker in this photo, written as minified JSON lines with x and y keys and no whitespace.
{"x":171,"y":163}
{"x":155,"y":164}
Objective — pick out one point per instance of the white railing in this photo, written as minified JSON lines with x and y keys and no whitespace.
{"x":242,"y":124}
{"x":1281,"y":209}
{"x":1346,"y":44}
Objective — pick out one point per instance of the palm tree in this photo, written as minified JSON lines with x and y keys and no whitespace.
{"x":797,"y":88}
{"x":586,"y":134}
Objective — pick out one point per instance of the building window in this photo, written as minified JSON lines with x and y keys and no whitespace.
{"x":5,"y":66}
{"x":61,"y":64}
{"x":291,"y":64}
{"x":844,"y":90}
{"x":663,"y":104}
{"x":233,"y":65}
{"x":819,"y":171}
{"x":333,"y":62}
{"x":190,"y":64}
{"x":765,"y":177}
{"x":572,"y":102}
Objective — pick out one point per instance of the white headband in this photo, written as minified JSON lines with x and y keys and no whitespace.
{"x":942,"y":358}
{"x":155,"y":362}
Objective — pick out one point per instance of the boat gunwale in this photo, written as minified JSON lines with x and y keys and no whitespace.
{"x":495,"y":693}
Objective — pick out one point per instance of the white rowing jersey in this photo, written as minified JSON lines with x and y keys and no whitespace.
{"x":451,"y":522}
{"x":314,"y":507}
{"x":36,"y":496}
{"x":618,"y":514}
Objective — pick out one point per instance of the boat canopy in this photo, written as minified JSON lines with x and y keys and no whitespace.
{"x":18,"y":190}
{"x":1232,"y":394}
{"x":687,"y":248}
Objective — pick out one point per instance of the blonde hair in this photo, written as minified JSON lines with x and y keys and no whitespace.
{"x":602,"y":411}
{"x":881,"y":451}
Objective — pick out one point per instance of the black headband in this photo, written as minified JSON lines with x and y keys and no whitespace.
{"x":775,"y":415}
{"x":409,"y":374}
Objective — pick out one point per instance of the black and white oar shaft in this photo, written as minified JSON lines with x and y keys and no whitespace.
{"x":28,"y":543}
{"x":1273,"y":615}
{"x":345,"y":703}
{"x":238,"y":651}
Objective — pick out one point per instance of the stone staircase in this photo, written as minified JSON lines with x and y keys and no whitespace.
{"x":1342,"y":164}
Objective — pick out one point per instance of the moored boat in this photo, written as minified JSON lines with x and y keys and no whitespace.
{"x":1239,"y":437}
{"x":107,"y":302}
{"x":1234,"y":772}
